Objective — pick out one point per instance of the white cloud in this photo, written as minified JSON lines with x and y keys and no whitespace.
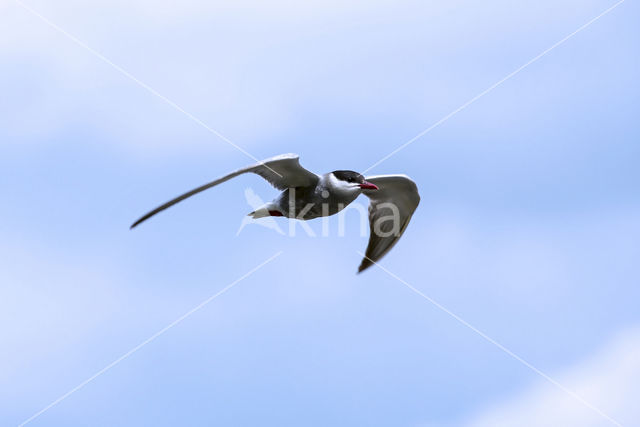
{"x":246,"y":69}
{"x":609,"y":380}
{"x":49,"y":302}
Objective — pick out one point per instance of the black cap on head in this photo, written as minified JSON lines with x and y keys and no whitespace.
{"x":349,"y":176}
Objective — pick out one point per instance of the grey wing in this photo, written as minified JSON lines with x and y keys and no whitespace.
{"x":281,"y":171}
{"x":390,"y":210}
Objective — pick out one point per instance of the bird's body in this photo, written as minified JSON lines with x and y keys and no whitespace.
{"x":306,"y":196}
{"x":324,"y":198}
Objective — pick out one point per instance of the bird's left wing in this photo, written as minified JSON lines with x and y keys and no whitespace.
{"x":281,"y":171}
{"x":390,"y":210}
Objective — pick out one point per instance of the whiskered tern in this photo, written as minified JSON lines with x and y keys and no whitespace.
{"x":305,"y":195}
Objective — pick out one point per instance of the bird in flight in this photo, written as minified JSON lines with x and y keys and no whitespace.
{"x":305,"y":195}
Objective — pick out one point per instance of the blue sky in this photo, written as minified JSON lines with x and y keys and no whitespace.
{"x":528,"y":227}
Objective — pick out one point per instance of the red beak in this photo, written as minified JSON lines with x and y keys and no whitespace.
{"x":368,"y":186}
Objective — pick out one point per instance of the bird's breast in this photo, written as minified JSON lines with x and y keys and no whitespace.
{"x":306,"y":203}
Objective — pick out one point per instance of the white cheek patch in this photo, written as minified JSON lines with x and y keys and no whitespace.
{"x":342,"y":186}
{"x":335,"y":182}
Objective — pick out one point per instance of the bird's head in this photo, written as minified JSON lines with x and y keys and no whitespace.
{"x":350,"y":181}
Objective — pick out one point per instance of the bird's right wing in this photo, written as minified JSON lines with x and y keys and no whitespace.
{"x":390,"y":210}
{"x":283,"y":171}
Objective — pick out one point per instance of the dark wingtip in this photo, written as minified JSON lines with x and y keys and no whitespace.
{"x":135,"y":224}
{"x":144,"y":218}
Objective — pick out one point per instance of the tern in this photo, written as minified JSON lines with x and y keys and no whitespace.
{"x":305,"y":196}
